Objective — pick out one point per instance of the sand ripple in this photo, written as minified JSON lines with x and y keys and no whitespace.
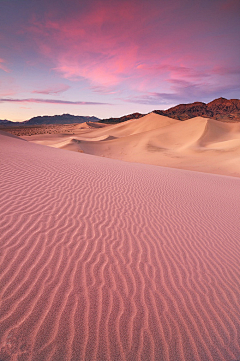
{"x":106,"y":260}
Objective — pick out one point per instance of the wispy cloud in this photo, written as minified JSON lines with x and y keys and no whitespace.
{"x":184,"y":92}
{"x":93,"y":45}
{"x":59,"y":88}
{"x":152,"y":52}
{"x":3,"y":66}
{"x":226,"y":70}
{"x":104,"y":90}
{"x":173,"y":70}
{"x":155,"y":98}
{"x":49,"y":101}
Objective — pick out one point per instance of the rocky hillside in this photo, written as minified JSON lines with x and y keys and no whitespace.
{"x":220,"y":109}
{"x":122,"y":119}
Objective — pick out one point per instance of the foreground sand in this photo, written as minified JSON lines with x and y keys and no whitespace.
{"x":199,"y":144}
{"x":106,"y":260}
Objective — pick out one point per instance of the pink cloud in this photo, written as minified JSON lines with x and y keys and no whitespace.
{"x":181,"y":92}
{"x":3,"y":66}
{"x":59,"y":88}
{"x":138,"y":46}
{"x":100,"y":46}
{"x":104,"y":89}
{"x":6,"y":92}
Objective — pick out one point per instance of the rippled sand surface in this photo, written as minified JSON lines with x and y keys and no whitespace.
{"x":107,"y":260}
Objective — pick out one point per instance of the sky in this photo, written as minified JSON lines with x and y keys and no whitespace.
{"x":109,"y":58}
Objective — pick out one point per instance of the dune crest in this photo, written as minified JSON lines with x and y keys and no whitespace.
{"x":199,"y":144}
{"x":106,"y":260}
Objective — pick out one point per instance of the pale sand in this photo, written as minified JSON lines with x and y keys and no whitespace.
{"x":199,"y":144}
{"x":106,"y":260}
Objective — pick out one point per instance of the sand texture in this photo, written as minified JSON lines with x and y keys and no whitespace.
{"x":200,"y":144}
{"x":108,"y":260}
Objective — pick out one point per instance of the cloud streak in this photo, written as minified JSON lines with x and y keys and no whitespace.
{"x":182,"y":92}
{"x":49,"y":101}
{"x":106,"y":45}
{"x":59,"y":88}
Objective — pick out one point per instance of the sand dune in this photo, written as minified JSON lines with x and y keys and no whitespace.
{"x":108,"y":260}
{"x":199,"y":144}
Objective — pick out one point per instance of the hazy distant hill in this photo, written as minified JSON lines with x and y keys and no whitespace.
{"x":60,"y":119}
{"x":55,"y":119}
{"x":6,"y":122}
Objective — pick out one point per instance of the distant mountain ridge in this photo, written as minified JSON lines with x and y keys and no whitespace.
{"x":219,"y":109}
{"x":222,"y":109}
{"x":54,"y":119}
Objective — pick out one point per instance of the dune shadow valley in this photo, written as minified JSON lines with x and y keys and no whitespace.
{"x":120,"y":241}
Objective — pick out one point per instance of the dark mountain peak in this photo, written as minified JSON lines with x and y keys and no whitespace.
{"x":224,"y":105}
{"x":186,"y":111}
{"x":187,"y":106}
{"x":59,"y":119}
{"x":220,"y":99}
{"x":220,"y":109}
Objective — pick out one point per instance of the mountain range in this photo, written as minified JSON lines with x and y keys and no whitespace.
{"x":222,"y":109}
{"x":219,"y":109}
{"x":54,"y":119}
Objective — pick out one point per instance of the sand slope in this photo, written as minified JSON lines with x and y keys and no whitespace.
{"x":199,"y":144}
{"x":107,"y":260}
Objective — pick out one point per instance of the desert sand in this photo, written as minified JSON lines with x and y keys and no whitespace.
{"x":102,"y":259}
{"x":200,"y":144}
